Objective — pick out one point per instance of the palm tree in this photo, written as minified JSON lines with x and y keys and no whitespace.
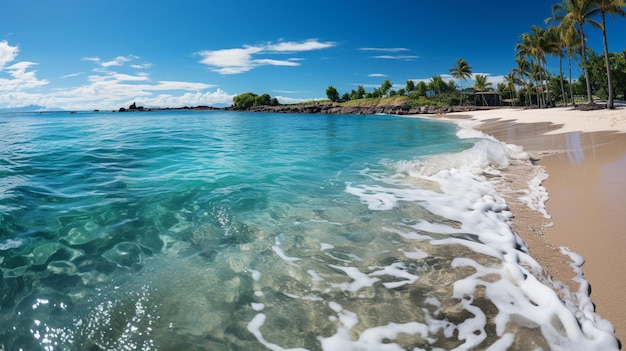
{"x":572,"y":47}
{"x":436,"y":84}
{"x":556,"y":46}
{"x":510,"y":80}
{"x":481,"y":84}
{"x":538,"y":74}
{"x":522,"y":71}
{"x":461,"y":71}
{"x":534,"y":46}
{"x":612,"y":7}
{"x":574,"y":14}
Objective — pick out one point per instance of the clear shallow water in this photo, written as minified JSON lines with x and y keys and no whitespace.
{"x":233,"y":231}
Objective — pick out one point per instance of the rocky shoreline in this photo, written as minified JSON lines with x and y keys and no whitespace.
{"x":326,"y":108}
{"x":333,"y":108}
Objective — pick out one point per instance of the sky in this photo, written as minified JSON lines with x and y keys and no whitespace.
{"x":85,"y":55}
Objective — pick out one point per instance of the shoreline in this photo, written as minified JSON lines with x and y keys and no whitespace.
{"x":584,"y":155}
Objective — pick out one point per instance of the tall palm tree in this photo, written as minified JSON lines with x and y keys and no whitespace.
{"x":461,"y":71}
{"x":510,"y":80}
{"x":574,"y":14}
{"x":481,"y":85}
{"x":522,"y":71}
{"x":534,"y":46}
{"x":611,"y":7}
{"x":571,"y":38}
{"x":538,"y":74}
{"x":556,"y":46}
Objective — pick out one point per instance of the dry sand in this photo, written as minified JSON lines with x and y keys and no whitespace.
{"x":584,"y":154}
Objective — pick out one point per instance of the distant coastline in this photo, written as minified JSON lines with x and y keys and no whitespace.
{"x":394,"y":107}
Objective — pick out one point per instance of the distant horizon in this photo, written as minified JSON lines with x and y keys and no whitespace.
{"x":72,"y":55}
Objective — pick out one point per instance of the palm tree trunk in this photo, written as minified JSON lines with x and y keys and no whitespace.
{"x":584,"y":57}
{"x":513,"y":96}
{"x":609,"y":103}
{"x":571,"y":88}
{"x":546,"y":78}
{"x":561,"y":78}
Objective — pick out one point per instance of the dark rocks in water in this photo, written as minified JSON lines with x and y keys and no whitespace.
{"x":132,"y":107}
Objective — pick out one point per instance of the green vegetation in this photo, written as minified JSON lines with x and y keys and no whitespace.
{"x":528,"y":83}
{"x":247,"y":100}
{"x":461,"y":71}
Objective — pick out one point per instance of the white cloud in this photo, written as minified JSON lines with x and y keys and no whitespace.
{"x":377,"y":75}
{"x":289,"y":63}
{"x":215,"y":98}
{"x":240,"y":60}
{"x":141,"y":66}
{"x":103,"y":89}
{"x":21,"y":78}
{"x":290,"y":100}
{"x":92,"y":59}
{"x":495,"y":80}
{"x":118,"y":61}
{"x":7,"y":53}
{"x":73,"y":75}
{"x":385,"y":49}
{"x":127,"y":77}
{"x":447,"y":77}
{"x":391,"y":51}
{"x":308,"y":45}
{"x":397,"y":57}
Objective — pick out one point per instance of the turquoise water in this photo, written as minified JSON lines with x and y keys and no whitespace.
{"x":175,"y":230}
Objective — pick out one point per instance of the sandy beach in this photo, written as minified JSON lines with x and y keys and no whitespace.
{"x":584,"y":154}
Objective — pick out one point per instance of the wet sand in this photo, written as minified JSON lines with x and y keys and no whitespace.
{"x":584,"y":154}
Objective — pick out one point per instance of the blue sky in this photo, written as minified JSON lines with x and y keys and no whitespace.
{"x":82,"y":55}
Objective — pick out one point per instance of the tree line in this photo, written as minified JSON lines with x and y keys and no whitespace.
{"x":566,"y":38}
{"x":529,"y":82}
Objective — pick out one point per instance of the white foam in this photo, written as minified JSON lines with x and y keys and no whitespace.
{"x":536,"y":196}
{"x":468,"y":196}
{"x":360,"y":279}
{"x":279,"y":251}
{"x":254,"y":327}
{"x":397,"y":270}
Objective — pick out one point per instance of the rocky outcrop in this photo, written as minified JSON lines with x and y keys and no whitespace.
{"x":330,"y":108}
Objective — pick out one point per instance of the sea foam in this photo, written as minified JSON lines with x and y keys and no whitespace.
{"x":468,"y":198}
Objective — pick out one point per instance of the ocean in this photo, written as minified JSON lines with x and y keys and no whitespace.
{"x":219,"y":230}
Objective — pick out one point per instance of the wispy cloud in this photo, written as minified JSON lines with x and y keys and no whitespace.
{"x":377,"y":75}
{"x":240,"y":60}
{"x":397,"y":57}
{"x":117,"y":61}
{"x":391,"y":53}
{"x":73,"y":75}
{"x":307,"y":45}
{"x":385,"y":49}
